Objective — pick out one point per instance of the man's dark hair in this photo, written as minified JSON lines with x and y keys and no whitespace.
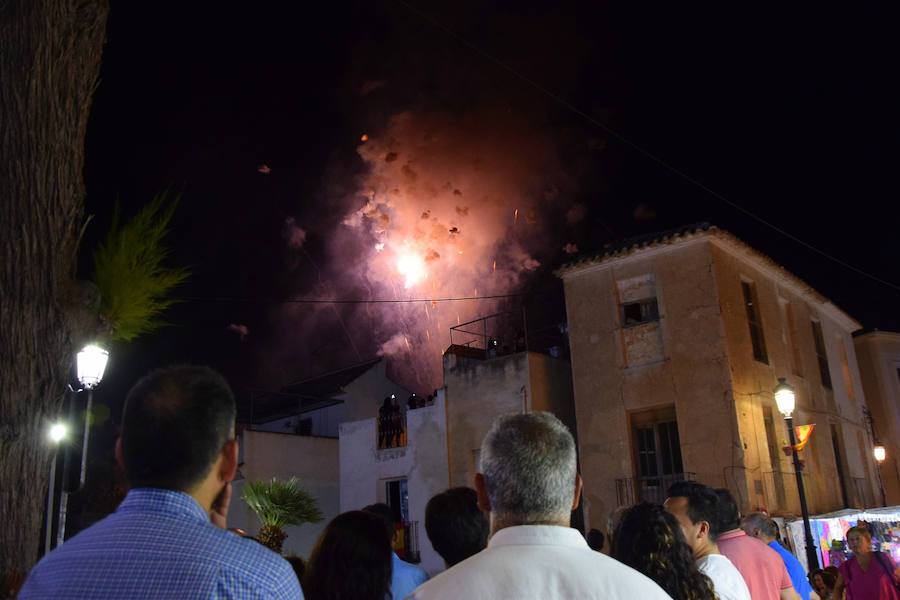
{"x":175,"y":422}
{"x":703,"y":504}
{"x":729,"y":514}
{"x":455,"y":525}
{"x":383,"y":512}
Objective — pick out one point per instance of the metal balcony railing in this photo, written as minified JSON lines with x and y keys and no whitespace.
{"x":631,"y":490}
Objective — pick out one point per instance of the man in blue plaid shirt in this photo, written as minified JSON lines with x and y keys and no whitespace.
{"x":167,"y":538}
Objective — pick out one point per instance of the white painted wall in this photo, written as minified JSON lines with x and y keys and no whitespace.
{"x":423,"y":462}
{"x":313,"y":460}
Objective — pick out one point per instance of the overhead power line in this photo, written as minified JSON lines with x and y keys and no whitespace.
{"x":341,"y":300}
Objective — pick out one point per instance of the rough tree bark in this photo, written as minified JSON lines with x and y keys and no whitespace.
{"x":49,"y":66}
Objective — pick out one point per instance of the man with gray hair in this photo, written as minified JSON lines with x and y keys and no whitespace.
{"x":765,"y":529}
{"x":529,"y":486}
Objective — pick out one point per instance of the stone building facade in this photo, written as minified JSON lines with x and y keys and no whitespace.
{"x":879,"y":364}
{"x":677,"y":342}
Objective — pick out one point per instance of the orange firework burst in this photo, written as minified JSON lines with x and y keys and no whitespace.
{"x":364,"y":138}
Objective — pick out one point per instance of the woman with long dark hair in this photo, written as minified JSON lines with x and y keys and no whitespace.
{"x":650,"y":540}
{"x":351,"y":560}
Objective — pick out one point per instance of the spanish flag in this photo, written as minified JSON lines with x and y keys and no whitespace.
{"x":802,"y":432}
{"x":801,"y":435}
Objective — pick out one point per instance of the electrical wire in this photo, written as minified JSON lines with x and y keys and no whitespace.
{"x":339,"y":300}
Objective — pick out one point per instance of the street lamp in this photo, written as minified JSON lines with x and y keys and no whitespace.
{"x":91,"y":364}
{"x":785,"y":399}
{"x":56,"y":434}
{"x":879,"y":454}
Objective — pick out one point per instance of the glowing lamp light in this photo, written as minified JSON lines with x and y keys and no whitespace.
{"x":91,"y":365}
{"x":879,"y":453}
{"x":784,"y":397}
{"x":57,"y":432}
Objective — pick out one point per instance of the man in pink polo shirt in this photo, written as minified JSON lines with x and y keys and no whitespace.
{"x":762,"y":568}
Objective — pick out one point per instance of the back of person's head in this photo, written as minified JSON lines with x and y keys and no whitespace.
{"x":729,"y":514}
{"x":702,"y":504}
{"x":175,"y":423}
{"x":759,"y":521}
{"x":528,"y":464}
{"x":298,"y":565}
{"x":384,"y":514}
{"x":595,"y":539}
{"x":649,"y":540}
{"x":455,"y":525}
{"x":351,"y":560}
{"x":830,"y":576}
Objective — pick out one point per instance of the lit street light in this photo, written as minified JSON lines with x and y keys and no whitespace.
{"x":785,"y":399}
{"x":879,"y":454}
{"x":91,"y":364}
{"x":57,"y":434}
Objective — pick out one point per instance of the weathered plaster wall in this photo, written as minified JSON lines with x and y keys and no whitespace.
{"x":364,"y":469}
{"x":878,"y":353}
{"x":786,"y":313}
{"x":313,"y":460}
{"x":551,"y":387}
{"x":477,"y":392}
{"x":693,"y":375}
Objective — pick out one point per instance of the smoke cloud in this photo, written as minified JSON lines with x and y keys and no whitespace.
{"x":450,"y":206}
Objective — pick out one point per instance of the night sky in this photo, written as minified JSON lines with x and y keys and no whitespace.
{"x":789,"y":115}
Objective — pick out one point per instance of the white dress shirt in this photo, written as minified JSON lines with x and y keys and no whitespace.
{"x":542,"y":562}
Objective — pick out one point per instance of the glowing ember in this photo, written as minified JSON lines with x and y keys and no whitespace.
{"x":412,"y":268}
{"x":407,"y":343}
{"x":364,"y":138}
{"x":495,"y":265}
{"x":516,"y":216}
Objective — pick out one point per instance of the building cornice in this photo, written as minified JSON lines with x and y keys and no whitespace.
{"x":646,"y":247}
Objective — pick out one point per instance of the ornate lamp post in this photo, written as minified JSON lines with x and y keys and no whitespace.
{"x":785,"y":399}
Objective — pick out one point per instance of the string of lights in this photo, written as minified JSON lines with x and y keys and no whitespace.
{"x":639,"y":149}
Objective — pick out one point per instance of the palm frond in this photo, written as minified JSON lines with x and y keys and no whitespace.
{"x":280,"y":503}
{"x":129,"y":270}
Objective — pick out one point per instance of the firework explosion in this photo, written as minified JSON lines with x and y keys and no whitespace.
{"x":449,"y":207}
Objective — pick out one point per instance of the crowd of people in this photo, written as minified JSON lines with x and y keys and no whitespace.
{"x":509,"y":537}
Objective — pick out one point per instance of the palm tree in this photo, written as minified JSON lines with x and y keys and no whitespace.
{"x":279,"y":503}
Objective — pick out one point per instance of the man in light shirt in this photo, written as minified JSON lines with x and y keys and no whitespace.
{"x":696,"y":508}
{"x":529,"y":487}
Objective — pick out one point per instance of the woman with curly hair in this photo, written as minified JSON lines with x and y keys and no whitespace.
{"x":649,"y":539}
{"x":351,"y":560}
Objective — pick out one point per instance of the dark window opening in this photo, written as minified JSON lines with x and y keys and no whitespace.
{"x":658,"y":453}
{"x":638,"y":313}
{"x":821,"y":355}
{"x":757,"y":338}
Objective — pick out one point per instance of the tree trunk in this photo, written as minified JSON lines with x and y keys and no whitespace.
{"x":49,"y":64}
{"x":272,"y":537}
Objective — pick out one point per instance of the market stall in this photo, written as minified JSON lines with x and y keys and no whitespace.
{"x":830,"y":533}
